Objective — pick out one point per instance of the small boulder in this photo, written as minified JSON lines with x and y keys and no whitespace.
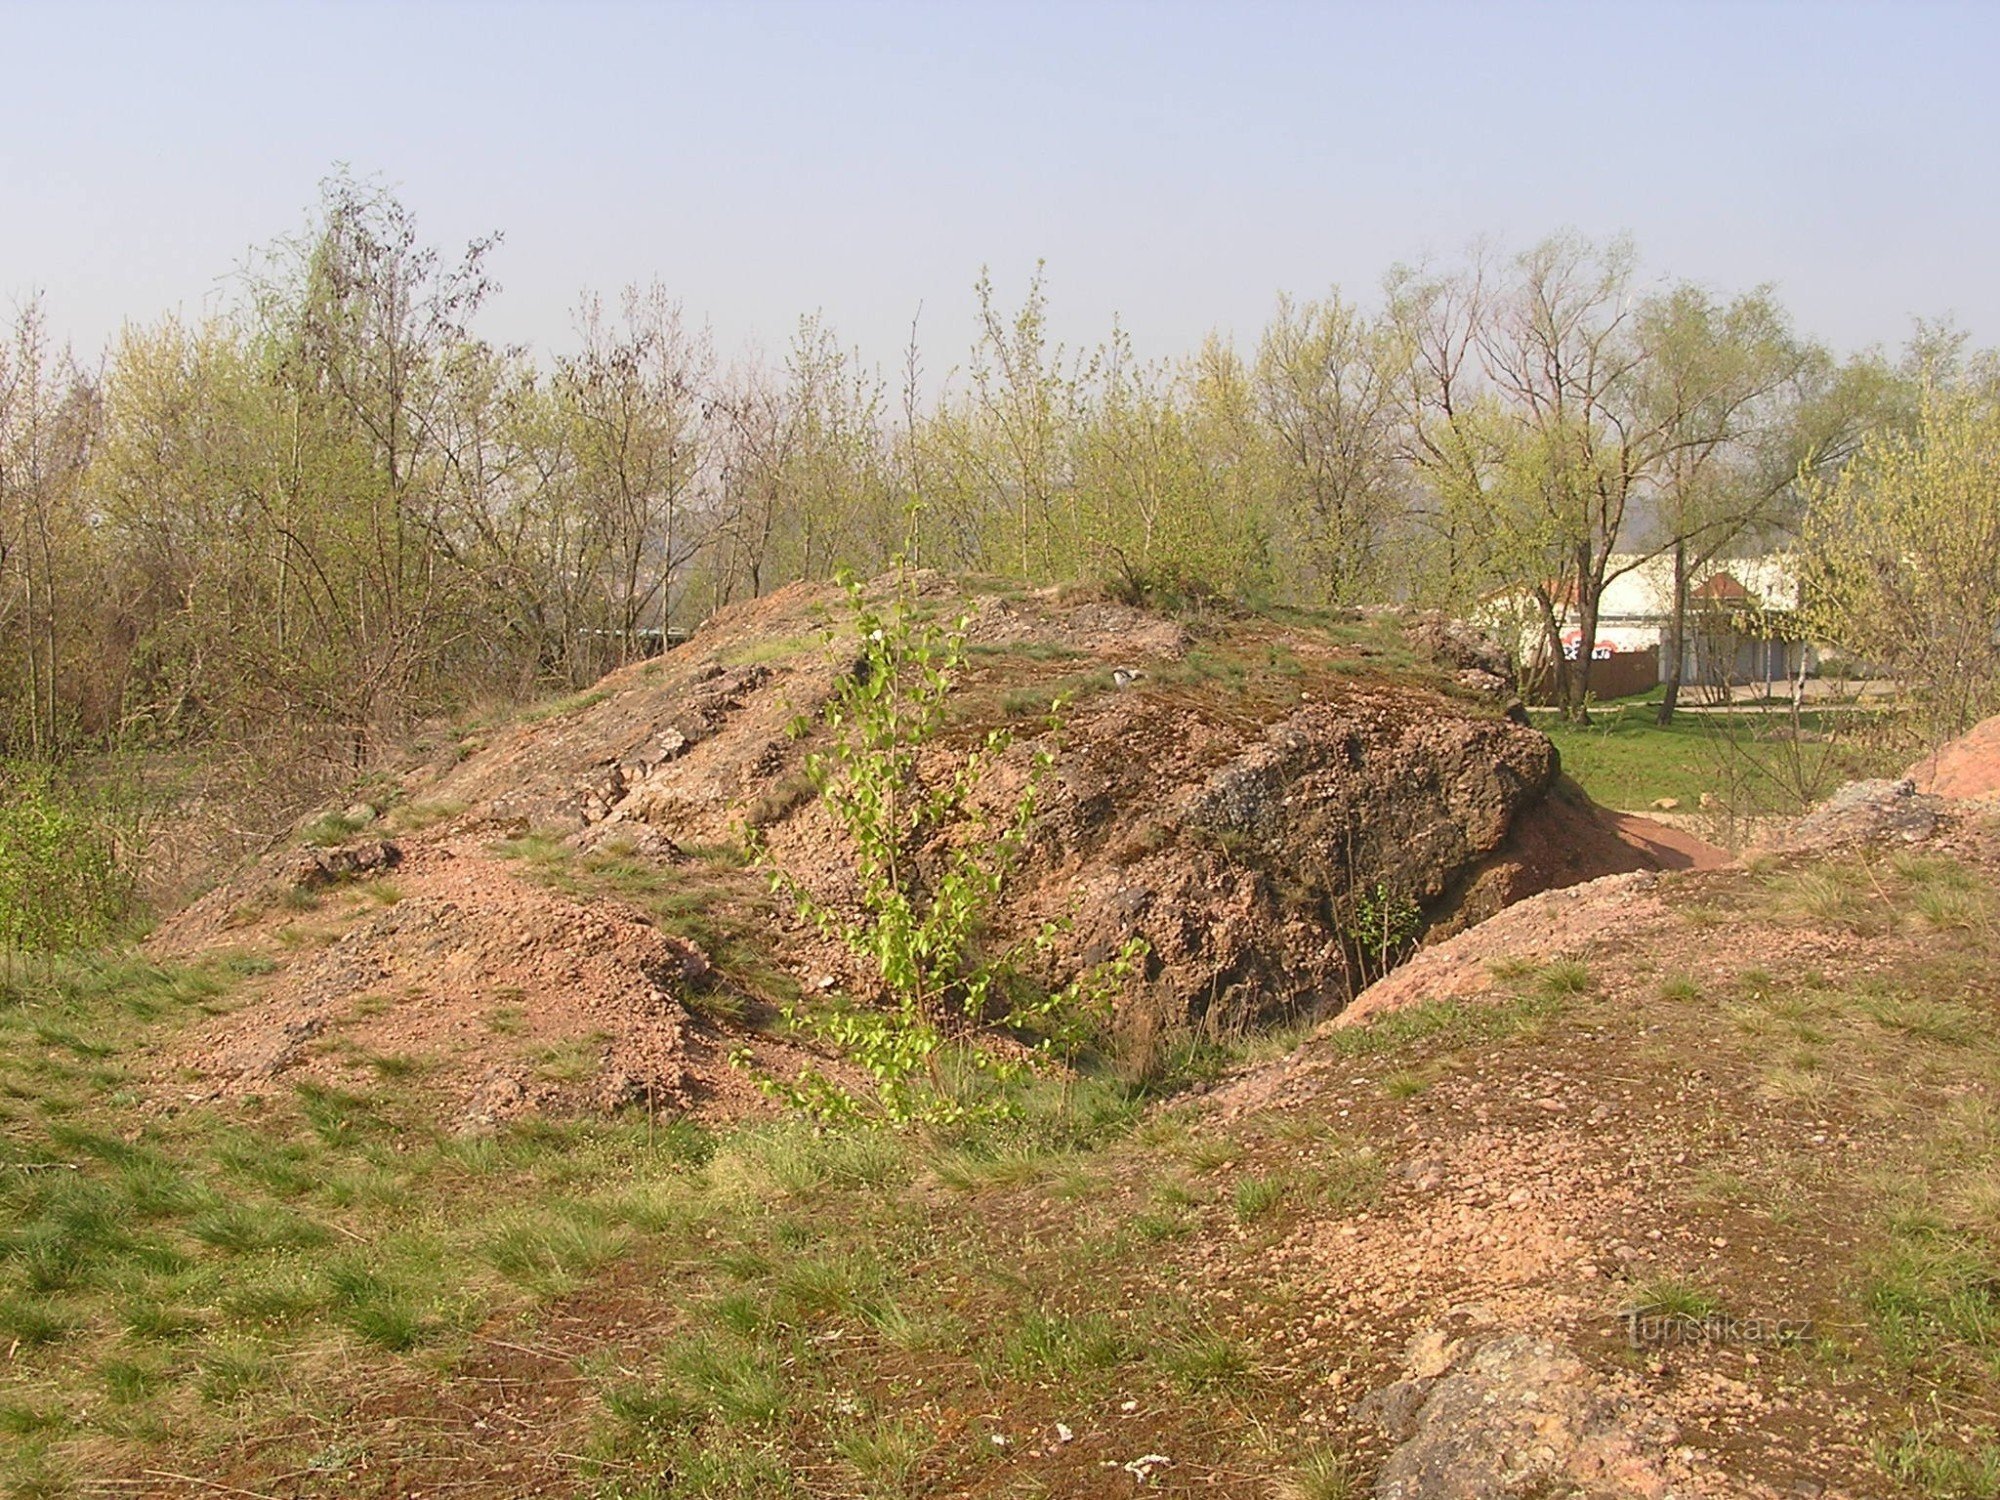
{"x":317,"y":866}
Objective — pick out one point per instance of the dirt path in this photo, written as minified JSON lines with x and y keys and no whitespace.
{"x":1668,"y":848}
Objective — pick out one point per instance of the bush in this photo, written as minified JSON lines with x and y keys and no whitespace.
{"x":924,"y":897}
{"x":64,"y":881}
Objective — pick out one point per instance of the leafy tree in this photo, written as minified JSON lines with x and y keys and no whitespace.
{"x":1903,"y":557}
{"x":1326,"y":393}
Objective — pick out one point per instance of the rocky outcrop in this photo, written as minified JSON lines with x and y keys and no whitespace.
{"x":1511,"y":1417}
{"x":1864,"y":812}
{"x":1241,"y":878}
{"x":1230,"y":799}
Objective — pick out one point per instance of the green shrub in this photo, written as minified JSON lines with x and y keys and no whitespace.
{"x":64,"y":879}
{"x":922,"y":908}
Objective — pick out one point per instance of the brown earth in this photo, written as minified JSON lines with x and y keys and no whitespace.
{"x":1223,"y":795}
{"x":1967,"y":768}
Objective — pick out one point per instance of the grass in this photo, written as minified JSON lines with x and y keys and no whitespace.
{"x":247,"y":1288}
{"x":1255,"y":1197}
{"x":1945,"y":1461}
{"x":1624,"y":759}
{"x":573,"y":703}
{"x":198,"y":1291}
{"x":1322,"y":1474}
{"x":1675,"y":1297}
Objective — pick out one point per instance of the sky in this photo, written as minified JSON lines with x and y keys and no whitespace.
{"x":1175,"y":165}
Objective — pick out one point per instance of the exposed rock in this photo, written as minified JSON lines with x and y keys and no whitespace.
{"x":1460,"y":644}
{"x":1518,"y":1417}
{"x":1865,"y":812}
{"x":315,"y":866}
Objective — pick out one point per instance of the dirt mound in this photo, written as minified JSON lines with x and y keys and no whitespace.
{"x":504,"y":996}
{"x":1226,"y":797}
{"x":1557,"y":924}
{"x":1968,"y":768}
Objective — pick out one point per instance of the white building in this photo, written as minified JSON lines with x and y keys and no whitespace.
{"x":1738,"y":628}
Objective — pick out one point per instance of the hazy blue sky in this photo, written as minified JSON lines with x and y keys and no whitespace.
{"x":1177,"y":164}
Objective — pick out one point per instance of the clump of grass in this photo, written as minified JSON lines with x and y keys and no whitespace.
{"x":1680,"y":989}
{"x":412,"y":817}
{"x":780,"y":800}
{"x":1945,"y":1022}
{"x":575,"y":703}
{"x":386,"y":1305}
{"x":1827,"y":895}
{"x":1806,"y":1087}
{"x":1255,"y":1197}
{"x":810,"y":1289}
{"x":1053,"y":1344}
{"x":886,"y":1454}
{"x":332,"y":828}
{"x":1405,"y":1084}
{"x":1210,"y":1153}
{"x":1321,"y":1475}
{"x":32,"y":1320}
{"x":1207,"y":1360}
{"x":1072,"y":689}
{"x":568,"y":1061}
{"x":1348,"y":1180}
{"x":761,"y":652}
{"x":507,"y":1020}
{"x":1934,"y":1299}
{"x":1675,"y":1297}
{"x":552,"y":1249}
{"x":971,"y":1172}
{"x":1943,"y":1460}
{"x":1563,"y":979}
{"x":382,"y":892}
{"x":1949,"y":908}
{"x":725,"y":1378}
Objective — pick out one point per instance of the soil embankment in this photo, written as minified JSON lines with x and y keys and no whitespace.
{"x":570,"y":925}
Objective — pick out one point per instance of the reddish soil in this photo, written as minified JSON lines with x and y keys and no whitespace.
{"x":507,"y":996}
{"x":1968,"y":768}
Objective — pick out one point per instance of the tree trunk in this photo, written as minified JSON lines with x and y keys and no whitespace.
{"x":1676,"y":637}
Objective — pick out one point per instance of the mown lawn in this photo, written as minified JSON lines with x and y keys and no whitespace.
{"x":1753,"y":760}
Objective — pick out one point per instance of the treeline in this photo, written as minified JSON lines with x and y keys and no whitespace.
{"x":335,"y":507}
